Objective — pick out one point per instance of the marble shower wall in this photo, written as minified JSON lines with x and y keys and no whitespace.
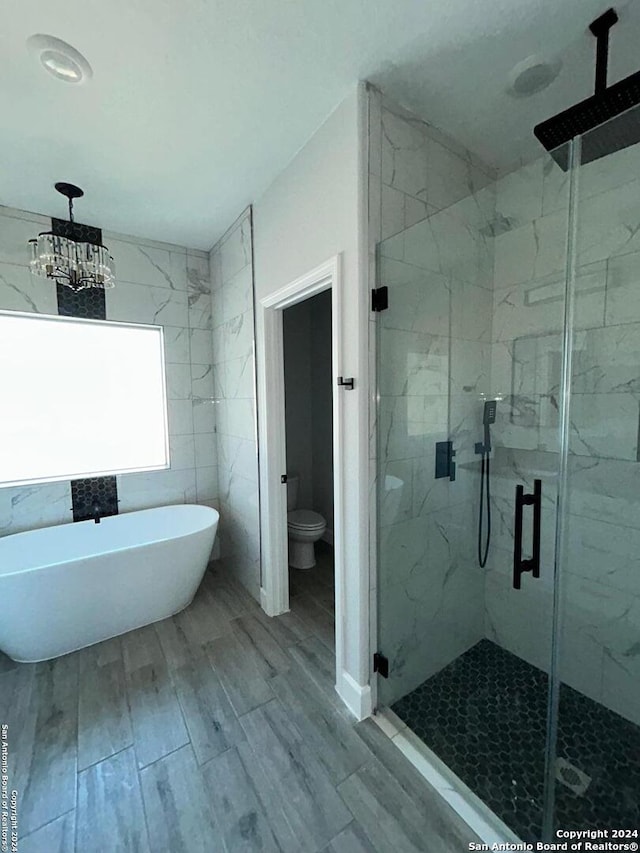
{"x":156,"y":283}
{"x":431,"y":205}
{"x":476,"y":287}
{"x":231,"y":263}
{"x":600,"y":652}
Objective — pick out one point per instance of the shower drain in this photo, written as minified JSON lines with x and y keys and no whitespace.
{"x":571,"y":777}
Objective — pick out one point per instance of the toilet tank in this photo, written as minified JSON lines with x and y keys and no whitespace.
{"x":292,"y":492}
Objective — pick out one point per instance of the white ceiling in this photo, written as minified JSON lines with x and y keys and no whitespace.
{"x":196,"y":105}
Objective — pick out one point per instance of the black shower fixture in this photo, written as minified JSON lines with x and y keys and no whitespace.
{"x":607,"y":117}
{"x":483,"y":448}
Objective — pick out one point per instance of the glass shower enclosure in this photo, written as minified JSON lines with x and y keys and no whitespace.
{"x":508,"y":471}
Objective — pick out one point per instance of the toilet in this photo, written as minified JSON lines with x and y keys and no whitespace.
{"x":304,"y":526}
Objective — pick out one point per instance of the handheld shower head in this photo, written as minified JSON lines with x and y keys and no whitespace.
{"x":484,"y":449}
{"x":488,"y":418}
{"x":489,"y":414}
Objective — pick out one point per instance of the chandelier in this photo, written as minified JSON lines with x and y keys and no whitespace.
{"x":66,"y":256}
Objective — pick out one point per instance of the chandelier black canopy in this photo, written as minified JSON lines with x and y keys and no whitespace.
{"x":72,"y":254}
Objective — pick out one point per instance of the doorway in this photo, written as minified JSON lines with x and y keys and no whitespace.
{"x":309,"y":456}
{"x":275,"y":587}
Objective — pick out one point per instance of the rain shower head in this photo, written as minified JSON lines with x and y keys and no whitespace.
{"x":607,"y":117}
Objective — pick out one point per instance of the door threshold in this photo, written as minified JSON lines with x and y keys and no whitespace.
{"x":489,"y":828}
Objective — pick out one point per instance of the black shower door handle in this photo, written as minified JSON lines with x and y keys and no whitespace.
{"x":533,"y":564}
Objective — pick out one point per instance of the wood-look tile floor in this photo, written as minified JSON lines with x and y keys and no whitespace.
{"x":215,"y":730}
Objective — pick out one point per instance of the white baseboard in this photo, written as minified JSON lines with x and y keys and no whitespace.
{"x":357,"y":697}
{"x":269,"y":607}
{"x":265,"y":603}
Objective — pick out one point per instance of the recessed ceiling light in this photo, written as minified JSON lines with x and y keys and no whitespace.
{"x":59,"y":58}
{"x":532,"y":75}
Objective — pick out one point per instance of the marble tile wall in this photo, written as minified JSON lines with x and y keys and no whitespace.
{"x":231,"y":264}
{"x":476,"y":281}
{"x":430,"y":205}
{"x":600,"y":654}
{"x":156,"y":283}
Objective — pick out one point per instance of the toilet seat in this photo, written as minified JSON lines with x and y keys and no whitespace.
{"x":305,"y":519}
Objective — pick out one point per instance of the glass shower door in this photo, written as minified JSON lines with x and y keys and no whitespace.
{"x":429,"y":585}
{"x":476,"y":314}
{"x":597,"y":761}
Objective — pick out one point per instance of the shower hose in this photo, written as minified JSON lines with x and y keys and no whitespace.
{"x":483,"y":552}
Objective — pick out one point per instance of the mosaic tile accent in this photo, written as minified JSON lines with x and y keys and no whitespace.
{"x":76,"y":231}
{"x":485,"y":716}
{"x":91,"y":490}
{"x":89,"y":303}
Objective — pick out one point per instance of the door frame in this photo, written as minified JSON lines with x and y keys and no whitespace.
{"x":274,"y":589}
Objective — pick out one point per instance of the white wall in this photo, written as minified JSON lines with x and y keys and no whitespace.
{"x":156,"y":283}
{"x":312,"y":212}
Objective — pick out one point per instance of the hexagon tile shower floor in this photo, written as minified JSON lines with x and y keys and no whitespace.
{"x":485,"y":716}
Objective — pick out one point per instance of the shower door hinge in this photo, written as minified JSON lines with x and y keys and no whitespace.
{"x":381,"y":664}
{"x":283,"y":478}
{"x":380,"y":298}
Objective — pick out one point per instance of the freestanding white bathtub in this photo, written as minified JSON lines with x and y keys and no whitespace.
{"x":63,"y":588}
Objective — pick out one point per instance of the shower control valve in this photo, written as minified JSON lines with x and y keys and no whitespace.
{"x":445,"y":466}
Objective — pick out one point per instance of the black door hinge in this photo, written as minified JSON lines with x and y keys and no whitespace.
{"x":347,"y":384}
{"x":381,"y":664}
{"x":380,"y":298}
{"x":283,"y":478}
